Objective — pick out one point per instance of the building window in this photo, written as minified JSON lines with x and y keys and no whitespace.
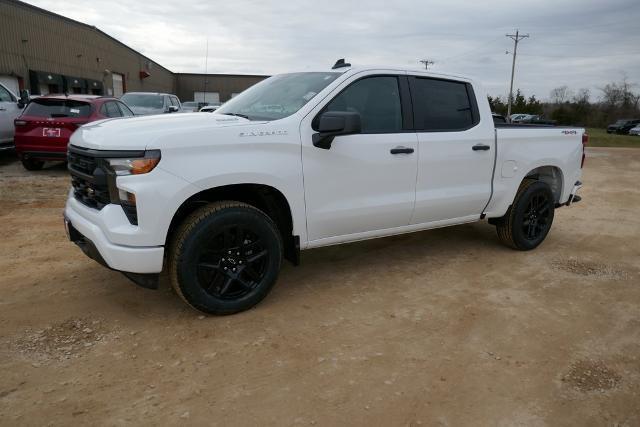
{"x":209,"y":97}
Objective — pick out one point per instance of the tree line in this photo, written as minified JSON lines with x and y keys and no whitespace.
{"x":618,"y":100}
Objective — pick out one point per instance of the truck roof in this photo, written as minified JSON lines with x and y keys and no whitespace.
{"x":413,"y":70}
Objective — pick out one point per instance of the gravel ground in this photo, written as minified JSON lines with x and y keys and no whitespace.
{"x":444,"y":327}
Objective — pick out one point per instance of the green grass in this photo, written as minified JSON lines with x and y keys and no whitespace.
{"x":600,"y":138}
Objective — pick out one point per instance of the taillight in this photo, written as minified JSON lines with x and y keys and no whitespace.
{"x":19,"y":122}
{"x":585,"y":141}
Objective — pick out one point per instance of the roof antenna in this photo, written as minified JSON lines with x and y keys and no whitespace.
{"x":340,"y":64}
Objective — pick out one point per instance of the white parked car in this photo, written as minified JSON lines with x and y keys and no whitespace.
{"x":304,"y":160}
{"x":10,"y":108}
{"x":635,"y":131}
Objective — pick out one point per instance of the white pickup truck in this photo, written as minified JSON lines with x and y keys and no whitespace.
{"x":303,"y":160}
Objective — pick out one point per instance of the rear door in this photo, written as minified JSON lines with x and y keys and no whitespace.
{"x":456,"y":151}
{"x":358,"y":185}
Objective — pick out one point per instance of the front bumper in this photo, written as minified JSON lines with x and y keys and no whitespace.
{"x":95,"y":244}
{"x":8,"y":145}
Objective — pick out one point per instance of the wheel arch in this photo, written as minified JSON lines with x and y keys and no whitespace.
{"x":268,"y":199}
{"x":552,"y":176}
{"x":546,"y":171}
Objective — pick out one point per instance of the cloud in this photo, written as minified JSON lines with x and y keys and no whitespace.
{"x":572,"y":42}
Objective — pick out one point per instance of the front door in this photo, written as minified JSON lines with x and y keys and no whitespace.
{"x":364,"y":182}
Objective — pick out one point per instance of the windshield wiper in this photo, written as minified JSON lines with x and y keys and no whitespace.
{"x":244,"y":116}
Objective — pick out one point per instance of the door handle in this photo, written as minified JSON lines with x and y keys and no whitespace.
{"x":481,"y":147}
{"x":401,"y":150}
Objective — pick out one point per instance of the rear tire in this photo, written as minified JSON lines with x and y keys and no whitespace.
{"x":32,"y":164}
{"x":529,"y":219}
{"x":225,"y":257}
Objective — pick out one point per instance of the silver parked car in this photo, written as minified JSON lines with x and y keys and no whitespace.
{"x":10,"y":108}
{"x":148,"y":103}
{"x":635,"y":131}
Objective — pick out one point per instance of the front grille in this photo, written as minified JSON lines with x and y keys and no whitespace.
{"x":94,"y":183}
{"x":82,"y":163}
{"x":89,"y":180}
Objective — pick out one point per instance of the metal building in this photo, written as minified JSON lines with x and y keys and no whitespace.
{"x":48,"y":53}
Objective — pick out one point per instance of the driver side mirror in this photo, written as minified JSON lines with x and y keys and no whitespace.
{"x":172,"y":109}
{"x":335,"y":123}
{"x":24,"y":98}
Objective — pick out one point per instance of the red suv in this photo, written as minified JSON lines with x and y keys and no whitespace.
{"x":47,"y":122}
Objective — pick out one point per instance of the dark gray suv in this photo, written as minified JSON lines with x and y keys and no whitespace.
{"x":148,"y":103}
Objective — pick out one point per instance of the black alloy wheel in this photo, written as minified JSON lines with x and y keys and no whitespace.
{"x":536,"y":217}
{"x":225,"y":257}
{"x":232,"y":263}
{"x":529,"y":219}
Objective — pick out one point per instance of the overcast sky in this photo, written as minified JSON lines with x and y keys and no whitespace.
{"x":579,"y":43}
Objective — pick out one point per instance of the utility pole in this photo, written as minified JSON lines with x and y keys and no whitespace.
{"x":206,"y":63}
{"x":516,"y":38}
{"x":426,"y":63}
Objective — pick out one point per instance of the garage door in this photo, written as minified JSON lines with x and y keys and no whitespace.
{"x":10,"y":83}
{"x":118,"y":87}
{"x":210,"y":97}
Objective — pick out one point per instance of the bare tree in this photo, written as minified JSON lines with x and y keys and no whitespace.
{"x":582,"y":97}
{"x":620,"y":95}
{"x":560,"y":94}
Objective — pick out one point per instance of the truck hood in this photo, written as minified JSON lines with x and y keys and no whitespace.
{"x":138,"y":133}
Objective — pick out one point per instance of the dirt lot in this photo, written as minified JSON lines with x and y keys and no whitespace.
{"x":444,"y":327}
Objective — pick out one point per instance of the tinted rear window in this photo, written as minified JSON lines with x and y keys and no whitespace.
{"x":57,"y":108}
{"x":442,"y":105}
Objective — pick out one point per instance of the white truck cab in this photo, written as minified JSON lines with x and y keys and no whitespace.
{"x":303,"y":160}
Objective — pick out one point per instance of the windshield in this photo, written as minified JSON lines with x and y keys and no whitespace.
{"x":278,"y":96}
{"x":144,"y":101}
{"x":43,"y":107}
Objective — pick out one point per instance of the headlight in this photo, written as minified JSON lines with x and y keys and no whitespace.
{"x":135,"y":166}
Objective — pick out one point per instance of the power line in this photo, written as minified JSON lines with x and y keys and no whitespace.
{"x":516,"y":38}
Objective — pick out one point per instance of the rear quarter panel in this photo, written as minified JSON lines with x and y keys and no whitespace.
{"x":520,"y":151}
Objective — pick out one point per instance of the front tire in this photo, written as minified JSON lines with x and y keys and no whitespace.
{"x":225,"y":257}
{"x":528,"y":220}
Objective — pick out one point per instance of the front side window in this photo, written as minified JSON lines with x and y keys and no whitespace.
{"x":376,"y":99}
{"x":279,"y":96}
{"x":441,"y":105}
{"x":124,"y":110}
{"x":110,"y":109}
{"x":5,"y":96}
